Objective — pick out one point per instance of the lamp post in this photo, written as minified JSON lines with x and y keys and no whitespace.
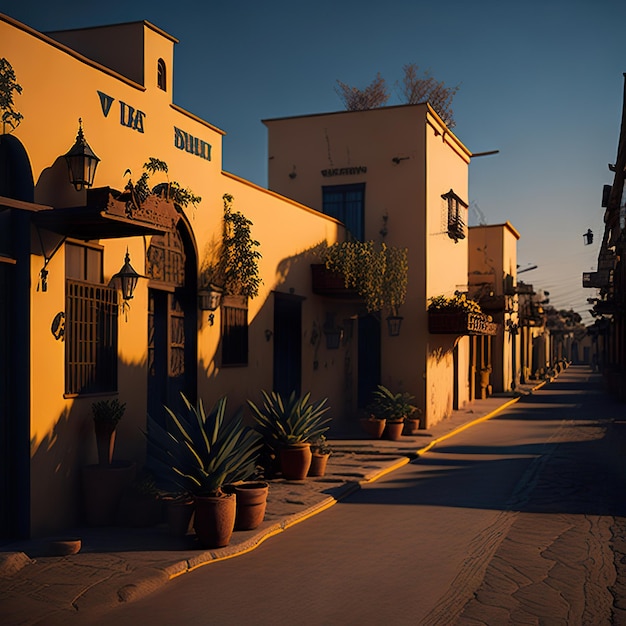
{"x":81,"y":161}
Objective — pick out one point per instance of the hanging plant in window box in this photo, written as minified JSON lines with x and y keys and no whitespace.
{"x":458,"y":315}
{"x":378,"y":274}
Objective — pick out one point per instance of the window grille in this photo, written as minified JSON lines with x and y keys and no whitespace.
{"x":90,"y":338}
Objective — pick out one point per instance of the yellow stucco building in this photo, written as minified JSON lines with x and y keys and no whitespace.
{"x":394,"y":175}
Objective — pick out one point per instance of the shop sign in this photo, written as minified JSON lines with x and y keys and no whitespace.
{"x":134,"y":118}
{"x":191,"y":144}
{"x":345,"y":171}
{"x":129,"y":116}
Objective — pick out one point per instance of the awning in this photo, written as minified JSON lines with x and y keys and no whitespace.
{"x":110,"y":214}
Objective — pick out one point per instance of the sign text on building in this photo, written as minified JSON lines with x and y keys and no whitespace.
{"x":191,"y":144}
{"x":345,"y":171}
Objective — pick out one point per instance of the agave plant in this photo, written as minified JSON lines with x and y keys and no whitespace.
{"x":198,"y":452}
{"x":391,"y":406}
{"x":283,"y":421}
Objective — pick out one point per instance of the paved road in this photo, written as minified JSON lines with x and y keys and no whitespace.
{"x":518,"y":520}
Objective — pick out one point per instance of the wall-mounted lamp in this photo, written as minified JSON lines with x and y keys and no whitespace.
{"x":397,"y":160}
{"x":293,"y":174}
{"x":394,"y":322}
{"x":268,"y":334}
{"x":332,"y":333}
{"x":209,"y":298}
{"x":128,"y":278}
{"x":81,"y":161}
{"x":588,"y":237}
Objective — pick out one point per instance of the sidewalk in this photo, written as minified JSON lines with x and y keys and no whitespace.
{"x":122,"y":564}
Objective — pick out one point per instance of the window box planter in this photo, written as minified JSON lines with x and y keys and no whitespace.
{"x":330,"y":283}
{"x":460,"y":323}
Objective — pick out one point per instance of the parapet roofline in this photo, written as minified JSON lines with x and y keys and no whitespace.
{"x":150,"y":25}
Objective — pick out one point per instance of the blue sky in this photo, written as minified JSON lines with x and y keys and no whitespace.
{"x":541,"y":81}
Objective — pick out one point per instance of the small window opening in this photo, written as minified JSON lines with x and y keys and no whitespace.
{"x":161,"y":75}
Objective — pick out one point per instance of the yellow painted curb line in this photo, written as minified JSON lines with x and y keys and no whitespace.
{"x":371,"y":479}
{"x":403,"y":461}
{"x":478,"y":420}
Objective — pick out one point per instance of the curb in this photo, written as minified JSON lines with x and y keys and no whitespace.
{"x":349,"y":488}
{"x":130,"y":585}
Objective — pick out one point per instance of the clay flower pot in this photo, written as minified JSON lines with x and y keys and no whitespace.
{"x":373,"y":427}
{"x":251,"y":504}
{"x":214,"y":519}
{"x":295,"y":460}
{"x":318,"y":464}
{"x":180,"y":516}
{"x":410,"y":425}
{"x":393,"y":429}
{"x":103,"y":487}
{"x":105,"y":441}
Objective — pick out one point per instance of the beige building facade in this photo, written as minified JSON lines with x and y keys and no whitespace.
{"x":395,"y":175}
{"x":493,"y":283}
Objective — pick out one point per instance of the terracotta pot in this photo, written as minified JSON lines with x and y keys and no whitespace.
{"x":318,"y":464}
{"x":295,"y":460}
{"x":180,"y":516}
{"x":103,"y":487}
{"x":214,"y":519}
{"x":393,"y":429}
{"x":105,"y":441}
{"x":410,"y":426}
{"x":251,"y":504}
{"x":373,"y":427}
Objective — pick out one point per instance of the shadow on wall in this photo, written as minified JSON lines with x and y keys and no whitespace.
{"x":293,"y":278}
{"x":57,"y":460}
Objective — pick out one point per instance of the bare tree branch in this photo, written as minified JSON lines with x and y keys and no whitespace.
{"x":416,"y":89}
{"x":375,"y":95}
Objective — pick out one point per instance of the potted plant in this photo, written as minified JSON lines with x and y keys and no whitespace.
{"x":251,"y":502}
{"x":199,"y":452}
{"x":373,"y":426}
{"x":288,"y":425}
{"x":171,"y":191}
{"x":104,"y":483}
{"x":393,"y":408}
{"x":320,"y":452}
{"x":412,"y":422}
{"x":106,"y":416}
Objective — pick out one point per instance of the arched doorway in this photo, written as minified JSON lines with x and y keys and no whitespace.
{"x":16,"y":183}
{"x":171,"y":267}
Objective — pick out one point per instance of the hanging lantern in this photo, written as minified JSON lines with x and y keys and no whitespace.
{"x":394,"y":322}
{"x":128,"y":278}
{"x":81,"y":161}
